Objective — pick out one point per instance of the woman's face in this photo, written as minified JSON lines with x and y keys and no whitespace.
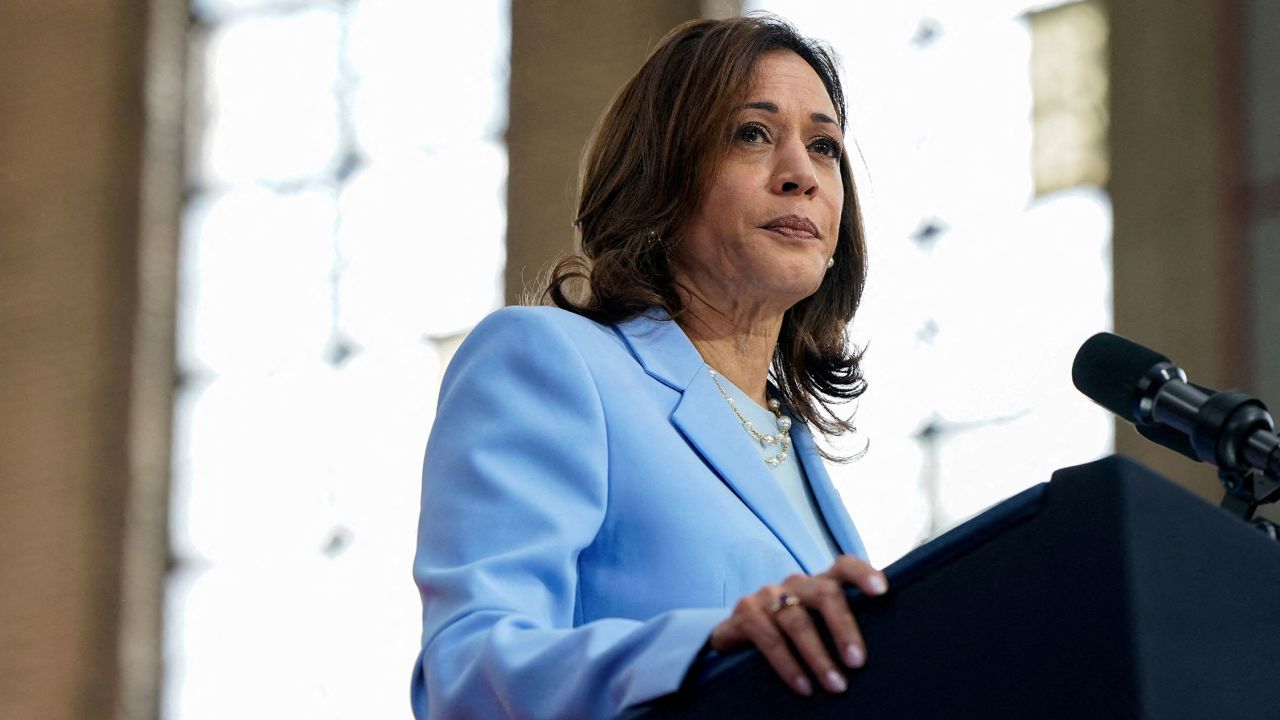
{"x":761,"y":237}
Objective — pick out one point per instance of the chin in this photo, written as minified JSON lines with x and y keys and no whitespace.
{"x":798,"y":290}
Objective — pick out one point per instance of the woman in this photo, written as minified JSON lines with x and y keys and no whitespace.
{"x":621,"y":482}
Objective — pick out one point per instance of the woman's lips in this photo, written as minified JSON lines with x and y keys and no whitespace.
{"x":793,"y":226}
{"x":792,"y":232}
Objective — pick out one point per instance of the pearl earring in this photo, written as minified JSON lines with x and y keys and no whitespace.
{"x":831,"y":262}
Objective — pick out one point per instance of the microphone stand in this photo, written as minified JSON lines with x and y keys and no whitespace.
{"x":1245,"y":491}
{"x":1232,"y":415}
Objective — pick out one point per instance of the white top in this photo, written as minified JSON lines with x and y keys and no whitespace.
{"x":789,"y":474}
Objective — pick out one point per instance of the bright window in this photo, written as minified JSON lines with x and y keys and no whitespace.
{"x":328,"y":266}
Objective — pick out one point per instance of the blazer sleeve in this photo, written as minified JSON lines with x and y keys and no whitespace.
{"x":515,"y":485}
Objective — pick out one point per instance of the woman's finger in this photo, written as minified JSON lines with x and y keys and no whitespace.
{"x":776,"y":620}
{"x":752,"y":621}
{"x":764,"y":632}
{"x":803,"y":634}
{"x":859,"y":572}
{"x":829,"y":599}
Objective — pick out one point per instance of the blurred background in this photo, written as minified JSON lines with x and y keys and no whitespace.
{"x":240,"y":240}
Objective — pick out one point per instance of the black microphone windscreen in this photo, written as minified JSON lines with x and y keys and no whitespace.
{"x":1107,"y":369}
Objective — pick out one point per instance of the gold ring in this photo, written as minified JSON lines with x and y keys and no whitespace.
{"x":784,"y":601}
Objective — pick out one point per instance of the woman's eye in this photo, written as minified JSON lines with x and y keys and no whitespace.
{"x":752,"y":134}
{"x":826,"y":146}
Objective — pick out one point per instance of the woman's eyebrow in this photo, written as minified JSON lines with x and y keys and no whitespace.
{"x":771,"y":107}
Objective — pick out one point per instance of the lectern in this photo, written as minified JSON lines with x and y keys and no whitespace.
{"x":1108,"y":592}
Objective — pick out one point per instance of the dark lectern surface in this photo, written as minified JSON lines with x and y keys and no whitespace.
{"x":1108,"y":592}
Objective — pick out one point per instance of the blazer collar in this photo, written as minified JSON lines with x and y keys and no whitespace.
{"x":662,"y":348}
{"x":838,"y":520}
{"x":706,"y":421}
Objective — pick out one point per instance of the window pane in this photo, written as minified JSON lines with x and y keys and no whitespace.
{"x":425,"y":80}
{"x":422,"y":244}
{"x":253,"y":467}
{"x":386,"y":401}
{"x":371,"y":659}
{"x":269,"y":110}
{"x":257,"y":285}
{"x":252,"y":642}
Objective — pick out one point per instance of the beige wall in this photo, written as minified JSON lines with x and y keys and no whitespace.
{"x":70,"y":136}
{"x":1259,"y":54}
{"x":1179,"y":150}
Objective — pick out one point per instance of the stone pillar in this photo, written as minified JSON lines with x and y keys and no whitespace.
{"x":71,"y":134}
{"x":1181,"y":274}
{"x":1258,"y":43}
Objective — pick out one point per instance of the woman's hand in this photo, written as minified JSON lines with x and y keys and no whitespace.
{"x":776,"y":618}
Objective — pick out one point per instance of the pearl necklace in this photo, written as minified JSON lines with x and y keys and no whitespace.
{"x":784,"y":425}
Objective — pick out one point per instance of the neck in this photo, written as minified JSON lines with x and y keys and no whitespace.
{"x":735,"y":341}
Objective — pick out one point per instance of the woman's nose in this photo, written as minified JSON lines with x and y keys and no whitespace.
{"x":794,"y":173}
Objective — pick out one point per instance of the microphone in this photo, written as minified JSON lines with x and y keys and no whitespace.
{"x":1228,"y":429}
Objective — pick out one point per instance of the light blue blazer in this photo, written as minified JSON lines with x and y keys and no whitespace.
{"x":591,"y":509}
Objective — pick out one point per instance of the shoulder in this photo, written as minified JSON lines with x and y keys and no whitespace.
{"x":539,"y":343}
{"x":518,"y":323}
{"x":538,"y":332}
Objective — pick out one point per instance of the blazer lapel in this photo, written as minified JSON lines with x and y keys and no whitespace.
{"x":833,"y":510}
{"x":706,"y":421}
{"x":711,"y":428}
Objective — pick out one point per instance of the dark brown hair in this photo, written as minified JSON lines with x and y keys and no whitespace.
{"x":648,"y":165}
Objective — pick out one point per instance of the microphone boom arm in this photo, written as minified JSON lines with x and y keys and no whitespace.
{"x":1233,"y":431}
